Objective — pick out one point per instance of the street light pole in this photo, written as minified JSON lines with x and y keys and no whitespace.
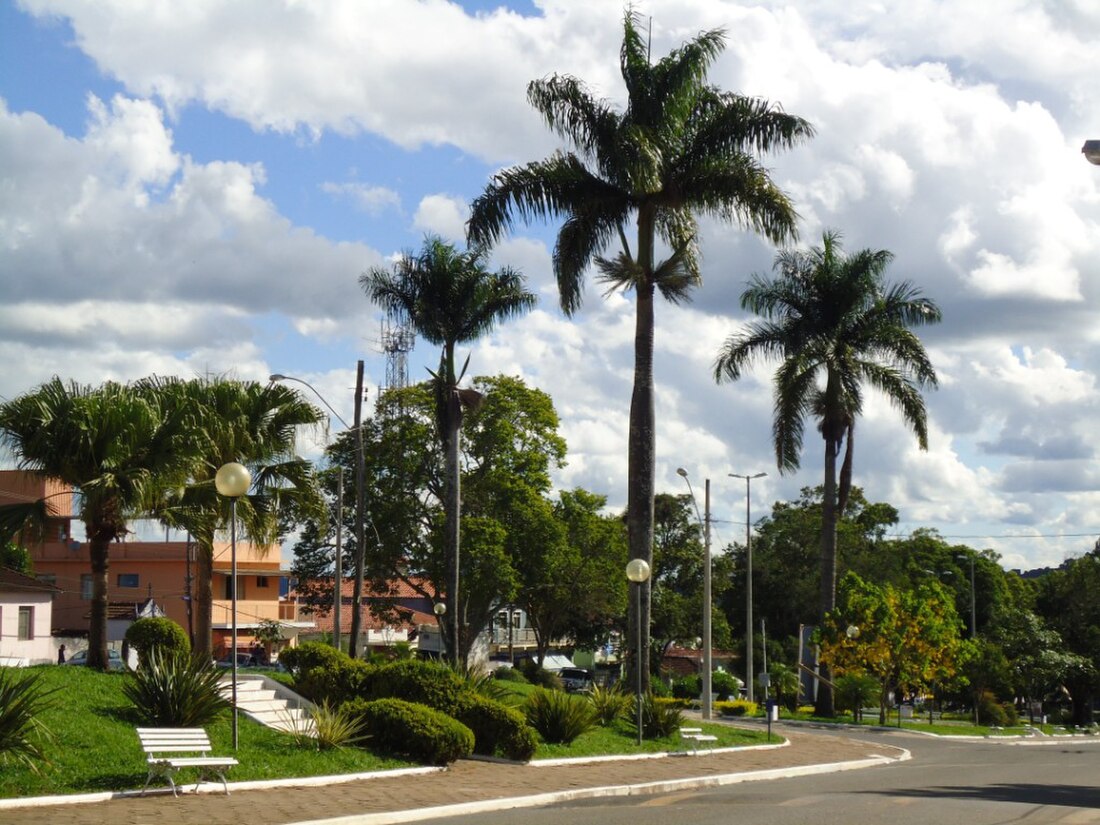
{"x":708,"y":664}
{"x":748,"y":580}
{"x":360,"y":514}
{"x":232,"y":481}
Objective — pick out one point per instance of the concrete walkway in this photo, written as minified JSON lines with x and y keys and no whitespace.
{"x":473,"y":785}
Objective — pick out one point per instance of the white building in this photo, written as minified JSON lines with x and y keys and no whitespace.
{"x":26,"y":609}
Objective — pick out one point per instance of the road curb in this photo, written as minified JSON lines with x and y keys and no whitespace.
{"x":555,"y":797}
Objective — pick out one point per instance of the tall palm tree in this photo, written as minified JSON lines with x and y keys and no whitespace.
{"x":835,"y":326}
{"x":247,"y":422}
{"x":680,"y":148}
{"x":120,"y":447}
{"x":450,"y":298}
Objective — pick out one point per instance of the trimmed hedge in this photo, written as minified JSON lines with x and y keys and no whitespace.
{"x":324,"y":674}
{"x":416,"y":680}
{"x":408,"y":729}
{"x":498,"y":729}
{"x":156,"y":634}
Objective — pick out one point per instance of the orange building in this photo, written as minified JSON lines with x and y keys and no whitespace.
{"x":159,"y":570}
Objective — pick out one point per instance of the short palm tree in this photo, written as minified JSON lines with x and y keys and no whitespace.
{"x":251,"y":423}
{"x":835,"y":326}
{"x":680,"y":148}
{"x":450,"y":298}
{"x":120,"y":447}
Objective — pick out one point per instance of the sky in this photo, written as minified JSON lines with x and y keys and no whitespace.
{"x":195,"y":188}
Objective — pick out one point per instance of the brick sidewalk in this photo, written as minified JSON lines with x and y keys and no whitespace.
{"x":465,"y":781}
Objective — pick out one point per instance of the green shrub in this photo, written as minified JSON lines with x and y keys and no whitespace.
{"x":660,"y":717}
{"x":326,"y":675}
{"x":658,"y":688}
{"x":509,"y":674}
{"x":673,"y":702}
{"x":308,"y":656}
{"x":725,"y":684}
{"x":483,"y":683}
{"x":991,"y":712}
{"x":173,"y":690}
{"x":159,"y":633}
{"x":416,"y":680}
{"x":687,"y":687}
{"x":498,"y":730}
{"x":609,"y":704}
{"x":539,"y":676}
{"x":22,"y":700}
{"x":738,"y":707}
{"x":854,"y":692}
{"x":413,"y":730}
{"x":558,"y":717}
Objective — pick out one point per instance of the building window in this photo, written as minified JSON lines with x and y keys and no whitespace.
{"x":26,"y":623}
{"x":229,"y":587}
{"x":47,"y":578}
{"x":127,"y":579}
{"x":86,"y":586}
{"x":261,"y":581}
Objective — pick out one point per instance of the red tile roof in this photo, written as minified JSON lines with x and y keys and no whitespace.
{"x":12,"y":580}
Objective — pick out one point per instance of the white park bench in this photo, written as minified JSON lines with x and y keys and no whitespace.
{"x":169,"y":750}
{"x":694,"y":736}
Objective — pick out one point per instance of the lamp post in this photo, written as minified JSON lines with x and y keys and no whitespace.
{"x":708,"y":667}
{"x":748,"y":580}
{"x":440,"y":610}
{"x":232,"y":481}
{"x":1091,"y":151}
{"x":637,"y":571}
{"x":360,"y":549}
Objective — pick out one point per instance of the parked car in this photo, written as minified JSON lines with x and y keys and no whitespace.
{"x":575,"y":679}
{"x":114,"y":659}
{"x":243,"y":660}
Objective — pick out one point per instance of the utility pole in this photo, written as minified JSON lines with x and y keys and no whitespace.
{"x":360,"y":518}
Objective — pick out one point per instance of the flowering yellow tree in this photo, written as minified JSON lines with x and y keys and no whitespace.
{"x":905,"y":639}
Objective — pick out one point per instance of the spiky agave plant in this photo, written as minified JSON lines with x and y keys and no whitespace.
{"x":23,"y":698}
{"x":174,"y":690}
{"x":558,"y":717}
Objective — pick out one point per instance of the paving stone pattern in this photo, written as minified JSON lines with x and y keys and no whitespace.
{"x":465,"y":781}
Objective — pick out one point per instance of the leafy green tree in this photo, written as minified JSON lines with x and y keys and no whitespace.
{"x":1037,"y":656}
{"x":904,"y":638}
{"x":1067,"y":600}
{"x":15,"y":557}
{"x":786,"y":562}
{"x":511,"y":445}
{"x":680,"y":148}
{"x":122,"y":448}
{"x":836,"y":326}
{"x":247,"y":422}
{"x":449,"y":298}
{"x":573,"y":587}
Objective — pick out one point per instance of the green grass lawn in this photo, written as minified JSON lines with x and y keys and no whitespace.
{"x":93,"y":746}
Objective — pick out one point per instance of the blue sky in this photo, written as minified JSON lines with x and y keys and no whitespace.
{"x":192,"y":188}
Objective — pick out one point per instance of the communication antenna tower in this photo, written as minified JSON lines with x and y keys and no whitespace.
{"x":398,"y":340}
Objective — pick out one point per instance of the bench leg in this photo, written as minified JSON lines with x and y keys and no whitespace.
{"x":207,"y":773}
{"x":155,"y":773}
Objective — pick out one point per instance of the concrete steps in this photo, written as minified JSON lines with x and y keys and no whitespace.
{"x":270,"y":703}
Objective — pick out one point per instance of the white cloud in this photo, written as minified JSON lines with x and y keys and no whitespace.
{"x":443,"y":215}
{"x":370,"y":199}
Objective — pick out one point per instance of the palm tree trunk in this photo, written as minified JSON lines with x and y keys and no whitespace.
{"x":641,"y":445}
{"x":203,"y":601}
{"x":98,"y":549}
{"x":452,"y":507}
{"x":824,"y":705}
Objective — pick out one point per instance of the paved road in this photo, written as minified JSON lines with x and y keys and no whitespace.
{"x":945,"y":783}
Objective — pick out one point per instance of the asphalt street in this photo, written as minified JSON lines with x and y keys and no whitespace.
{"x":947,"y":782}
